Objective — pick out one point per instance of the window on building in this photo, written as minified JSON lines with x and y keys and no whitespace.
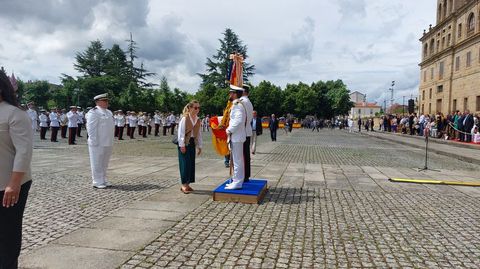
{"x":478,"y":103}
{"x":440,"y":12}
{"x":423,"y":108}
{"x":425,"y":50}
{"x":423,"y":95}
{"x":469,"y":59}
{"x":457,"y":63}
{"x":449,"y":40}
{"x":440,"y":89}
{"x":465,"y":103}
{"x":443,"y":42}
{"x":454,"y":107}
{"x":440,"y":70}
{"x":430,"y":94}
{"x":459,"y":30}
{"x":430,"y":108}
{"x":431,"y":73}
{"x":438,"y":45}
{"x":439,"y":105}
{"x":471,"y":23}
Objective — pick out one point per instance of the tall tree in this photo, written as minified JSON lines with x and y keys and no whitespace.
{"x":92,"y":62}
{"x":217,"y":66}
{"x":137,"y":74}
{"x":267,"y":98}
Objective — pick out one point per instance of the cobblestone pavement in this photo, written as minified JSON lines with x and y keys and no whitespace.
{"x":322,"y":210}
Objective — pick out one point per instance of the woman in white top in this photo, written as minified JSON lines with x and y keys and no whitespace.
{"x":16,"y":137}
{"x":189,"y":137}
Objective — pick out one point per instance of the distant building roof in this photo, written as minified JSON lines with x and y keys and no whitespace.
{"x":370,"y":105}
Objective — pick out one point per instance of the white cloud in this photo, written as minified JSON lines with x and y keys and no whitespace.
{"x":367,"y":43}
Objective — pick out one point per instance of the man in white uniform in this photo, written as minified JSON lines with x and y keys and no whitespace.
{"x":237,"y":135}
{"x":246,"y":146}
{"x":54,"y":124}
{"x":72,"y":124}
{"x":100,"y":129}
{"x":32,"y":114}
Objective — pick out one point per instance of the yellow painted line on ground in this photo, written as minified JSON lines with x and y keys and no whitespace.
{"x":433,"y":181}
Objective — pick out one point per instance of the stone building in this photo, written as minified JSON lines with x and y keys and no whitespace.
{"x":450,"y":67}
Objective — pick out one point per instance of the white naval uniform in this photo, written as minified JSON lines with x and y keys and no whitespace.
{"x":32,"y":114}
{"x":54,"y":119}
{"x":249,"y":107}
{"x":237,"y":135}
{"x":43,"y":120}
{"x":100,"y":129}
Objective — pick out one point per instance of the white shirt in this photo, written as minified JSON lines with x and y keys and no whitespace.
{"x":249,"y":107}
{"x":236,"y":126}
{"x":120,"y":120}
{"x":170,"y":120}
{"x":54,"y":120}
{"x":141,"y":121}
{"x":100,"y":127}
{"x":158,"y":119}
{"x":43,"y":120}
{"x":132,"y":121}
{"x":72,"y":119}
{"x":32,"y":114}
{"x":81,"y":116}
{"x":63,"y":119}
{"x":181,"y":133}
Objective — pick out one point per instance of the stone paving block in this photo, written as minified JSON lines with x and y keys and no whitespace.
{"x":74,"y":257}
{"x":131,"y":224}
{"x":108,"y":238}
{"x":148,"y":214}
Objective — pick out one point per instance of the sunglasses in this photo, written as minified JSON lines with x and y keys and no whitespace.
{"x":196,"y":107}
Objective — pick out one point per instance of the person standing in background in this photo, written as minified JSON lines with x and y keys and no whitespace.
{"x":257,"y":130}
{"x":32,"y":114}
{"x":63,"y":124}
{"x":54,"y":124}
{"x":43,"y":118}
{"x":273,"y":126}
{"x":72,"y":124}
{"x":248,"y":129}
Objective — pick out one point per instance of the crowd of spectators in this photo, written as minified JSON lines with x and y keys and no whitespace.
{"x":463,"y":127}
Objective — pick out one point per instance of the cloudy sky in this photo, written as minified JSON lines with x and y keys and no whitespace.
{"x":367,"y":43}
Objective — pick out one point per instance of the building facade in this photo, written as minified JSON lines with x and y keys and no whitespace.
{"x":450,"y":67}
{"x":364,"y":110}
{"x":357,"y":97}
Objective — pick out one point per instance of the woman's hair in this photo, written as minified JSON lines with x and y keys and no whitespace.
{"x":7,"y":92}
{"x":187,"y":108}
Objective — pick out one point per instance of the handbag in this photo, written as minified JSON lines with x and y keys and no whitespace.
{"x":175,"y":140}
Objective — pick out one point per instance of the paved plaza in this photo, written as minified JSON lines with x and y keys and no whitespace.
{"x":329,"y":205}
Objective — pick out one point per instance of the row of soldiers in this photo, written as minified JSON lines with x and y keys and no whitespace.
{"x":145,"y":123}
{"x":59,"y":120}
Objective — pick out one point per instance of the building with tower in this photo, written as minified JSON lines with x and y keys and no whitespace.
{"x":450,"y":67}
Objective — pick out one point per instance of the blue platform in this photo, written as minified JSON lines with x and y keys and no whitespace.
{"x":253,"y":187}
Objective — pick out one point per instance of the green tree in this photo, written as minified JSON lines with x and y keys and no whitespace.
{"x":339,"y":97}
{"x":266,"y":99}
{"x":137,"y":74}
{"x":217,"y":66}
{"x":38,"y":92}
{"x":117,"y":65}
{"x":91,"y":63}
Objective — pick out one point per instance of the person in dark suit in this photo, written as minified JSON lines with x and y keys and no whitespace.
{"x":273,"y":126}
{"x":468,"y":123}
{"x":461,"y":128}
{"x":410,"y":123}
{"x":257,"y":130}
{"x":359,"y":123}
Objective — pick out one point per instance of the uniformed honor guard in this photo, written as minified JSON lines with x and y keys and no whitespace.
{"x":100,"y":128}
{"x":81,"y":119}
{"x":32,"y":114}
{"x":63,"y":123}
{"x":54,"y":124}
{"x":236,"y":132}
{"x":246,"y":146}
{"x":120,"y":124}
{"x":72,"y":124}
{"x":43,"y":123}
{"x":158,"y":120}
{"x":133,"y":121}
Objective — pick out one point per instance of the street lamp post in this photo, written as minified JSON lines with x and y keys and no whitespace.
{"x":403,"y":106}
